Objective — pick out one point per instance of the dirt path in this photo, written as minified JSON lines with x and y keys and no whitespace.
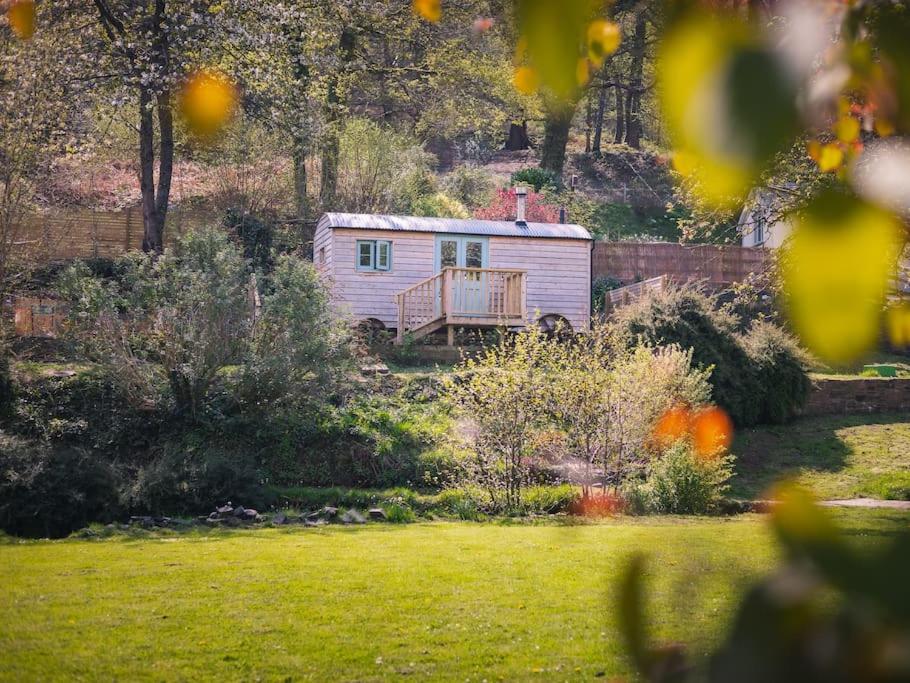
{"x":868,"y":503}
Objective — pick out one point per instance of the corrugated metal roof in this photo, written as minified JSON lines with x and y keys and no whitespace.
{"x":470,"y":226}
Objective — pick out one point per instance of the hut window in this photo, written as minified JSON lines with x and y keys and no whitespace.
{"x":374,"y":255}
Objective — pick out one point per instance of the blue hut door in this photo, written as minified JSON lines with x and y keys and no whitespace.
{"x":462,"y":251}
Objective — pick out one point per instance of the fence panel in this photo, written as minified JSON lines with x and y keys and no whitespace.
{"x":718,"y":265}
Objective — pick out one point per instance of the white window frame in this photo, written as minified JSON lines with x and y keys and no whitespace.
{"x":376,"y":247}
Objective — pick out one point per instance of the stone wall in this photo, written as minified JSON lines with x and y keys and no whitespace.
{"x":858,"y":395}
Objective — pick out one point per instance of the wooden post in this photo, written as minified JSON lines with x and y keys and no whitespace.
{"x":450,"y":334}
{"x":400,"y":333}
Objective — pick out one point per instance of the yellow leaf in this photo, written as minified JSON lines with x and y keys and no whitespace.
{"x":797,"y":517}
{"x":884,"y":127}
{"x":603,"y":40}
{"x":21,"y":16}
{"x":830,"y":157}
{"x":709,"y":67}
{"x":431,"y":10}
{"x":837,"y":270}
{"x":847,"y":129}
{"x":525,"y":80}
{"x":898,"y":324}
{"x":583,"y":72}
{"x":207,"y":102}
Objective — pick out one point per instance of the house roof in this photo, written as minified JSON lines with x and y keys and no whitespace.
{"x":470,"y":226}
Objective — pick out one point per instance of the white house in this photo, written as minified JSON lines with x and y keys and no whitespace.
{"x":418,"y":275}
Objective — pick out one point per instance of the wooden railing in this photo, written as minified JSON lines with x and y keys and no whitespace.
{"x":420,"y":304}
{"x":465,"y":296}
{"x":626,"y":295}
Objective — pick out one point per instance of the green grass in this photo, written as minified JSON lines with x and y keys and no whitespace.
{"x":836,"y":457}
{"x":450,"y":601}
{"x":901,"y":362}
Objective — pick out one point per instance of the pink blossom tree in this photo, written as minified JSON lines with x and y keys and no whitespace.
{"x":503,"y":208}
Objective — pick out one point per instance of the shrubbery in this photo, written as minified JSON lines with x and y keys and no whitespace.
{"x":590,"y":403}
{"x":682,"y":482}
{"x":781,"y":365}
{"x":51,"y":491}
{"x":538,"y":178}
{"x":756,"y":377}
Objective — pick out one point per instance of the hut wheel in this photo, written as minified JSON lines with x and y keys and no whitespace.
{"x":554,"y":325}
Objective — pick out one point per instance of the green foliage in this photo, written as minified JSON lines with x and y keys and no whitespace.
{"x":757,"y":377}
{"x":196,"y":472}
{"x":470,"y":185}
{"x":439,"y":205}
{"x":169,"y":330}
{"x":683,"y":483}
{"x":538,"y":178}
{"x":380,"y":170}
{"x":781,"y":368}
{"x":255,"y":234}
{"x":47,"y":491}
{"x":178,"y":319}
{"x":7,"y":396}
{"x":502,"y":391}
{"x":298,"y":350}
{"x":599,"y":289}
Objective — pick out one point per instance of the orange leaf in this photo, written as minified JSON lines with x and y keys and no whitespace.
{"x":712,"y":431}
{"x":21,"y":16}
{"x":431,"y":10}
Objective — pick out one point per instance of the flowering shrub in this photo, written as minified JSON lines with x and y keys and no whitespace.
{"x":503,"y":208}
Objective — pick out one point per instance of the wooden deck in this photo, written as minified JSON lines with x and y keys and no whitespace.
{"x":463,"y":297}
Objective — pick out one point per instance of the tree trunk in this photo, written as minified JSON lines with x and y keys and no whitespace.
{"x":301,"y":199}
{"x":155,"y":204}
{"x":588,"y":122}
{"x":153,"y":229}
{"x":633,"y":101}
{"x":556,"y":137}
{"x":328,"y":184}
{"x":620,"y":131}
{"x":518,"y":137}
{"x":599,"y":119}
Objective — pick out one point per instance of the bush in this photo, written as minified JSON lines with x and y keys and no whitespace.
{"x":502,"y":392}
{"x":469,"y":185}
{"x":439,"y":205}
{"x":781,"y":367}
{"x":51,"y":492}
{"x":7,"y":397}
{"x":194,"y":474}
{"x":599,"y":289}
{"x":691,"y":319}
{"x":682,"y":482}
{"x":538,"y":178}
{"x":172,"y":330}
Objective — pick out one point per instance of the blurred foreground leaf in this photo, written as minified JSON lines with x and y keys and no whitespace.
{"x":729,"y":102}
{"x":552,"y":35}
{"x":838,"y":266}
{"x":829,"y":613}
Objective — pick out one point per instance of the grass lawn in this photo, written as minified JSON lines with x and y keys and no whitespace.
{"x":437,"y":600}
{"x":835,"y":456}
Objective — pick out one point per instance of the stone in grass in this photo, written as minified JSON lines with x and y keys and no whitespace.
{"x":239,"y":511}
{"x":353,"y":516}
{"x":377,"y":369}
{"x":225,"y":509}
{"x":327,"y":512}
{"x":280,"y":519}
{"x":377,"y":513}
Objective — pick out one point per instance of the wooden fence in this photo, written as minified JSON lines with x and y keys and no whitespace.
{"x":84,"y":233}
{"x":719,"y":266}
